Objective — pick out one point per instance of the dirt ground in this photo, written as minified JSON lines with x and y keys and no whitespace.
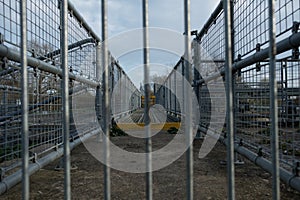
{"x":168,"y":183}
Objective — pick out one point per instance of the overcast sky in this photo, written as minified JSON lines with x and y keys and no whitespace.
{"x":125,"y":15}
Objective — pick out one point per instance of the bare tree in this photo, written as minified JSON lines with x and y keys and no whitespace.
{"x":158,"y":79}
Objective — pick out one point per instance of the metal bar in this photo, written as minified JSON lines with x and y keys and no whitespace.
{"x":12,"y":180}
{"x":211,"y":20}
{"x":211,"y":61}
{"x":188,"y":102}
{"x":234,"y":95}
{"x":84,"y":24}
{"x":147,"y":104}
{"x":70,"y":47}
{"x":5,"y":100}
{"x":65,"y":97}
{"x":197,"y":66}
{"x":232,"y":28}
{"x":273,"y":103}
{"x":6,"y":72}
{"x":51,"y":99}
{"x":105,"y":64}
{"x":99,"y":73}
{"x":229,"y":100}
{"x":36,"y":63}
{"x":174,"y":94}
{"x":288,"y":177}
{"x":282,"y":46}
{"x":10,"y":88}
{"x":99,"y":70}
{"x":25,"y":133}
{"x":170,"y":93}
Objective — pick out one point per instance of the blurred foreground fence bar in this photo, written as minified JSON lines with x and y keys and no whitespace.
{"x":24,"y":84}
{"x":229,"y":98}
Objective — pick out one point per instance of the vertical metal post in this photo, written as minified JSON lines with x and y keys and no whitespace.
{"x":232,"y":28}
{"x":99,"y":70}
{"x":147,"y":95}
{"x":183,"y":89}
{"x":196,"y":60}
{"x":196,"y":65}
{"x":273,"y":103}
{"x":170,"y":93}
{"x":99,"y":73}
{"x":234,"y":95}
{"x":5,"y":100}
{"x":229,"y":100}
{"x":175,"y":92}
{"x":25,"y":133}
{"x":65,"y":96}
{"x":188,"y":101}
{"x":166,"y":95}
{"x":105,"y":64}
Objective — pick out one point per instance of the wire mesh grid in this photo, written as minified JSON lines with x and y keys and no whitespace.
{"x":44,"y":89}
{"x":251,"y":83}
{"x":213,"y":42}
{"x":45,"y":81}
{"x":253,"y":110}
{"x":251,"y":26}
{"x":125,"y":96}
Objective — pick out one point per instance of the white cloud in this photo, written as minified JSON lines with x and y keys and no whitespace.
{"x":125,"y":15}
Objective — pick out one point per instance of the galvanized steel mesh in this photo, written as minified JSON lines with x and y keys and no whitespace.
{"x":251,"y":82}
{"x":251,"y":117}
{"x":250,"y":28}
{"x":44,"y":88}
{"x":45,"y":79}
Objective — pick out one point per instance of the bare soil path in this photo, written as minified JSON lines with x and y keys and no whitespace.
{"x":168,"y":183}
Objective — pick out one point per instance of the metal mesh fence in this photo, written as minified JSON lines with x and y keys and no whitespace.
{"x":250,"y":26}
{"x":252,"y":79}
{"x":45,"y":120}
{"x":44,"y":89}
{"x":251,"y":76}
